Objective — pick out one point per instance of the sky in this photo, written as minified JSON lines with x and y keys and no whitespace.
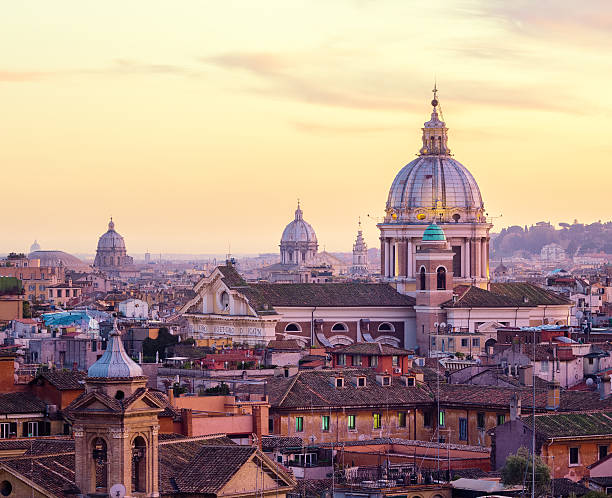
{"x":197,"y":125}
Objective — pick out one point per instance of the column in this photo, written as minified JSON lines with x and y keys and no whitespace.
{"x":401,"y":258}
{"x":483,"y":262}
{"x":387,"y":272}
{"x":462,"y":259}
{"x":409,"y":259}
{"x":468,"y":268}
{"x":477,"y":257}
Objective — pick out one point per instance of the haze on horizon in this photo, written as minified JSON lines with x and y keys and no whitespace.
{"x":198,"y":124}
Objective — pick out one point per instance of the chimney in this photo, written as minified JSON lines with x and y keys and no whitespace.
{"x":553,"y":395}
{"x":526,"y":375}
{"x":515,"y":407}
{"x":604,"y":387}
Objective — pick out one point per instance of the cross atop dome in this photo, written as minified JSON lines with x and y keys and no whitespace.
{"x":435,"y":132}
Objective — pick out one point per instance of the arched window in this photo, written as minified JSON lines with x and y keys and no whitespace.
{"x":139,"y":464}
{"x":386,"y":327}
{"x":293,"y":327}
{"x":441,"y":274}
{"x":422,"y":278}
{"x":99,"y":454}
{"x":340,"y":327}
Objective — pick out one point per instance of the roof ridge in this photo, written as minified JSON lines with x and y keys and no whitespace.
{"x":194,"y":438}
{"x":282,"y":400}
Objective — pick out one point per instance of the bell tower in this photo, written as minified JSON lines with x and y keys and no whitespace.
{"x":116,"y":427}
{"x":434,"y":265}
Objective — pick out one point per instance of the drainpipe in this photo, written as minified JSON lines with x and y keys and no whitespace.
{"x":312,"y":331}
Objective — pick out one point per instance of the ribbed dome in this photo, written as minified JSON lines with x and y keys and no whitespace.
{"x":111,"y":239}
{"x":115,"y":362}
{"x":430,"y":182}
{"x":298,"y":230}
{"x":434,"y":233}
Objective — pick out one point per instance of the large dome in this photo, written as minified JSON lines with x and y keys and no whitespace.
{"x":111,"y":239}
{"x":435,"y":186}
{"x":431,"y":182}
{"x":58,"y":258}
{"x":298,"y":230}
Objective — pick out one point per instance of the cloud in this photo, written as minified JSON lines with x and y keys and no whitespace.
{"x":21,"y":76}
{"x":326,"y":129}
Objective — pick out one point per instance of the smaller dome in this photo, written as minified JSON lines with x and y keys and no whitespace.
{"x":111,"y":239}
{"x":115,"y":362}
{"x":298,"y":230}
{"x":434,"y":233}
{"x":35,"y":246}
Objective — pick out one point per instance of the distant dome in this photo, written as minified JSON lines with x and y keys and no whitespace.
{"x":111,"y":239}
{"x":57,"y":258}
{"x":434,"y":233}
{"x":35,"y":246}
{"x":115,"y":362}
{"x":299,"y":230}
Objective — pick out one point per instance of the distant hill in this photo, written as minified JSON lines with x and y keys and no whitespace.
{"x":576,"y":239}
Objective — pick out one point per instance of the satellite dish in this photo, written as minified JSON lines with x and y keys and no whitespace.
{"x":436,"y":324}
{"x":117,"y":491}
{"x":442,"y":325}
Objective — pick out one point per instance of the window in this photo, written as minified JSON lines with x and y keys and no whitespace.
{"x":357,"y":360}
{"x":361,"y":381}
{"x":341,"y":359}
{"x":395,"y":360}
{"x":427,"y":419}
{"x":340,"y":327}
{"x":480,"y":420}
{"x":573,"y":456}
{"x":451,"y":343}
{"x":463,"y":428}
{"x":374,"y":361}
{"x":32,"y":429}
{"x":299,"y":424}
{"x":350,"y":423}
{"x":401,"y":419}
{"x":386,"y":380}
{"x":270,"y":425}
{"x":5,"y":430}
{"x":476,"y":342}
{"x":441,"y":418}
{"x":386,"y":327}
{"x":410,"y":381}
{"x":501,"y":419}
{"x":293,"y":327}
{"x":544,"y":366}
{"x":377,"y":421}
{"x":339,"y":382}
{"x":441,"y":278}
{"x":422,"y":278}
{"x":325,"y":423}
{"x":603,"y":451}
{"x":59,"y":292}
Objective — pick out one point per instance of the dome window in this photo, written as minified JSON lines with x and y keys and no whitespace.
{"x":386,"y":327}
{"x":293,"y":327}
{"x":340,"y":327}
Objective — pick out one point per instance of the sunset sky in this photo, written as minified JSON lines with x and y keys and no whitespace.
{"x":197,"y":124}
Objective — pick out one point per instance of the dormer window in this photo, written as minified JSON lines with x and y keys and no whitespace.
{"x":384,"y":380}
{"x":410,"y":381}
{"x":361,"y":381}
{"x":339,"y":382}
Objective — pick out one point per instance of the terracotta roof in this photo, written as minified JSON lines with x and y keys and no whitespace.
{"x":285,"y":345}
{"x":269,"y":443}
{"x":64,"y":380}
{"x":504,"y":295}
{"x":328,"y":295}
{"x":20,"y":403}
{"x":566,"y":487}
{"x":371,"y":348}
{"x":231,"y":277}
{"x":54,"y":473}
{"x":572,"y":424}
{"x":314,"y":388}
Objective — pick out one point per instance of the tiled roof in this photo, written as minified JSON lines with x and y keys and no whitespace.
{"x":231,"y":277}
{"x":314,"y":388}
{"x":504,"y":295}
{"x":64,"y":380}
{"x":566,"y":487}
{"x":499,"y":397}
{"x":329,"y":295}
{"x":169,"y":410}
{"x":54,"y":473}
{"x":270,"y":443}
{"x":284,"y":345}
{"x":371,"y":348}
{"x":20,"y":403}
{"x":572,"y":424}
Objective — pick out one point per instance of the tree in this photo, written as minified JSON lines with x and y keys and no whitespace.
{"x":518,"y":469}
{"x":27,"y":310}
{"x":152,"y":346}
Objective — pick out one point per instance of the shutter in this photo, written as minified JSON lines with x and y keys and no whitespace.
{"x":47,"y":428}
{"x":13,"y":428}
{"x":25,"y":429}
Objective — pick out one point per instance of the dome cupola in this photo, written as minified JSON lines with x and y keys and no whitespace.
{"x":115,"y":362}
{"x":298,"y":243}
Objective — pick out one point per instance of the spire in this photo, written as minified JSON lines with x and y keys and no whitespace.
{"x":298,"y":212}
{"x":435,"y":131}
